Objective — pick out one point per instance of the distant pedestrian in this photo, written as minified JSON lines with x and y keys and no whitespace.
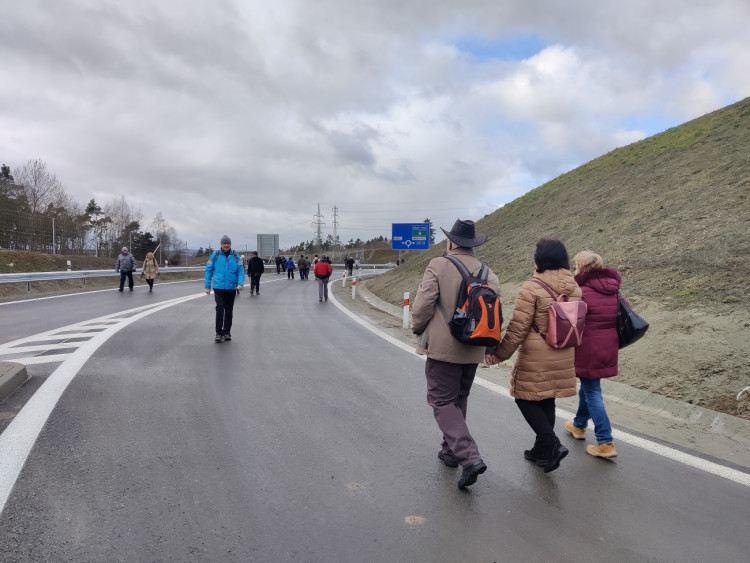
{"x":126,"y":265}
{"x":322,"y":273}
{"x":349,"y":264}
{"x":356,"y":263}
{"x":290,"y":269}
{"x":304,"y":267}
{"x":150,"y":270}
{"x":277,"y":260}
{"x":540,"y":373}
{"x":225,"y":273}
{"x":596,"y":357}
{"x":451,"y":365}
{"x":255,"y":269}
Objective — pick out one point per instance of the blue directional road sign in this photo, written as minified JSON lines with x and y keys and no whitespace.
{"x":410,"y":236}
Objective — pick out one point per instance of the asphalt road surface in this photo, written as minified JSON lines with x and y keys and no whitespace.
{"x":306,"y":438}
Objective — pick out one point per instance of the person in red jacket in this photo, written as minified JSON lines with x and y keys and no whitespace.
{"x":596,"y":357}
{"x":322,"y":272}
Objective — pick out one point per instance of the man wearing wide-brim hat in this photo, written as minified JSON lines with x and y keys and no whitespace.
{"x":451,"y":364}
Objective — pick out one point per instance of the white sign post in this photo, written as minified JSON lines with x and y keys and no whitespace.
{"x":406,"y":310}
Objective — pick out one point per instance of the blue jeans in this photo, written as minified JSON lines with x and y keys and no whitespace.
{"x":591,"y":406}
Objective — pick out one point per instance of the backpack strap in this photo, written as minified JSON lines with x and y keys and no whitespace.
{"x":544,"y":285}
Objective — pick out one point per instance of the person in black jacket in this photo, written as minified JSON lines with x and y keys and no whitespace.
{"x":255,"y":269}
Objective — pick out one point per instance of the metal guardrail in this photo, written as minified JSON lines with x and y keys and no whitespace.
{"x":31,"y":277}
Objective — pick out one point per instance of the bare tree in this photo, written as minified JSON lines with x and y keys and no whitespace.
{"x":40,"y":186}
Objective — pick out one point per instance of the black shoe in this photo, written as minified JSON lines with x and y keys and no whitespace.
{"x":218,"y":338}
{"x":251,"y":292}
{"x":131,"y":289}
{"x":470,"y":474}
{"x":319,"y":300}
{"x":448,"y":459}
{"x":558,"y":453}
{"x":227,"y":337}
{"x":531,"y":455}
{"x":119,"y":289}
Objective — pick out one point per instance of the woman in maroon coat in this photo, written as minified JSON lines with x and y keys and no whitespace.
{"x":596,"y":357}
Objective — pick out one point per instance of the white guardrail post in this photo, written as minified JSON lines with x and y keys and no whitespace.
{"x":343,"y":279}
{"x":406,"y":310}
{"x":354,"y":287}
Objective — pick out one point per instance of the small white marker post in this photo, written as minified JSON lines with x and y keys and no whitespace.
{"x":354,"y":287}
{"x":406,"y":310}
{"x":343,"y":279}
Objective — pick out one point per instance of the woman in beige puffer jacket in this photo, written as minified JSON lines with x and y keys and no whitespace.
{"x":150,"y":270}
{"x":541,"y":373}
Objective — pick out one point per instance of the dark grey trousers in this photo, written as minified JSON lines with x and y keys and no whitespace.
{"x":448,"y":387}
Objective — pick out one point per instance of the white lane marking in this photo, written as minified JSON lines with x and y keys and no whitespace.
{"x":43,"y":347}
{"x":653,"y":447}
{"x":21,"y":434}
{"x":36,"y":360}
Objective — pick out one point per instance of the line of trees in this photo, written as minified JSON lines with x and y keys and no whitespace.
{"x":37,"y":214}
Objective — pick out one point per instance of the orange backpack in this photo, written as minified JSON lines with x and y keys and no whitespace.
{"x":478,"y":315}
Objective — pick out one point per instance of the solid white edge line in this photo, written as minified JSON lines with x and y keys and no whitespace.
{"x":21,"y":434}
{"x":648,"y":445}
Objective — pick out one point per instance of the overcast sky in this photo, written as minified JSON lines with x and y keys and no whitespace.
{"x":241,"y":116}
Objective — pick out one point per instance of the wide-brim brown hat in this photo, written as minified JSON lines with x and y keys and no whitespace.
{"x":462,"y":233}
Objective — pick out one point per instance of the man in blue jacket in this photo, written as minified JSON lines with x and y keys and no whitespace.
{"x":228,"y":274}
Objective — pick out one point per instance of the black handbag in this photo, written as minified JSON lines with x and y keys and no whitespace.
{"x":630,"y":326}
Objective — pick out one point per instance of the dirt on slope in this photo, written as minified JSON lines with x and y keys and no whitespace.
{"x":672,"y":214}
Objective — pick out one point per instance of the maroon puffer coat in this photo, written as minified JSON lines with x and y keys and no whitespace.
{"x":596,"y":357}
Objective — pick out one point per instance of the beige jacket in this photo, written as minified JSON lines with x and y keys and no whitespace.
{"x":150,"y":268}
{"x":440,"y":284}
{"x":540,"y":372}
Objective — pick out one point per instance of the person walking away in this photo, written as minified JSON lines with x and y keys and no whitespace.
{"x":126,"y":265}
{"x":322,"y":272}
{"x":278,"y":263}
{"x":283,"y":264}
{"x":304,"y":267}
{"x":255,"y":269}
{"x":224,"y":272}
{"x":349,"y":263}
{"x":541,"y":373}
{"x":290,"y":269}
{"x":150,"y":270}
{"x":596,"y":357}
{"x":356,"y":263}
{"x":451,"y":365}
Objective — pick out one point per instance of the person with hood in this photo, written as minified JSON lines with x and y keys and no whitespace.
{"x":126,"y":265}
{"x":541,"y":373}
{"x":150,"y":270}
{"x":255,"y":269}
{"x":322,"y":273}
{"x":451,"y":365}
{"x":277,"y":260}
{"x":596,"y":357}
{"x":224,"y":272}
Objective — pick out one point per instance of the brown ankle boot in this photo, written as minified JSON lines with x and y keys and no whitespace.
{"x":603,"y":450}
{"x":577,"y":433}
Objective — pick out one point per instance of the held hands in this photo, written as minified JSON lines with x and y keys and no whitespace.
{"x":491,"y":359}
